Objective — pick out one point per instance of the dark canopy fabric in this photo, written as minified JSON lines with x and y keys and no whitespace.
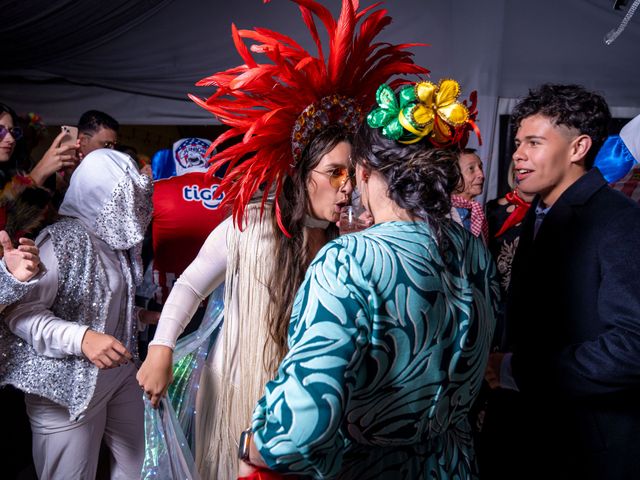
{"x":138,"y":59}
{"x":103,"y":52}
{"x":43,"y":33}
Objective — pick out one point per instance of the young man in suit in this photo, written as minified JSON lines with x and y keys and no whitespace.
{"x":574,"y":303}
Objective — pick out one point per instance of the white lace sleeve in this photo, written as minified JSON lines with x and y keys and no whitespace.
{"x":200,"y":278}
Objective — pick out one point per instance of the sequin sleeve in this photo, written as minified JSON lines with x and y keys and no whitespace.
{"x":196,"y":283}
{"x":32,"y":320}
{"x":12,"y":289}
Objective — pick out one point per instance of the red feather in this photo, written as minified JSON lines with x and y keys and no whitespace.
{"x":364,"y":11}
{"x":307,"y":17}
{"x":341,"y":41}
{"x":279,"y":37}
{"x":251,"y":76}
{"x":241,"y":47}
{"x":262,"y":101}
{"x":323,"y":13}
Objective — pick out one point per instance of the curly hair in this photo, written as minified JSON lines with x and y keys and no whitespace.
{"x":569,"y":105}
{"x":420,"y":178}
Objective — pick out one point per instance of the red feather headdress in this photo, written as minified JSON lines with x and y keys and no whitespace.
{"x":276,"y":107}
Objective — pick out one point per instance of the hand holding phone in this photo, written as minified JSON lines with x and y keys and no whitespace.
{"x":70,"y":137}
{"x":61,"y":156}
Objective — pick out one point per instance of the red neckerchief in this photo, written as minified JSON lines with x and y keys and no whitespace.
{"x":479,"y":226}
{"x":517,"y":215}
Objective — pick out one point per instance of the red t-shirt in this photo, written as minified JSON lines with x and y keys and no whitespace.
{"x":185,"y":211}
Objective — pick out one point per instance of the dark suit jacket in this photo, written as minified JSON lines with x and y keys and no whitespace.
{"x":574,"y":322}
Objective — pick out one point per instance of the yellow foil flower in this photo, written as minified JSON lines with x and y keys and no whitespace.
{"x":436,"y":110}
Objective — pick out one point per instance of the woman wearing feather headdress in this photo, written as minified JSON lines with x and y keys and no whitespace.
{"x":391,"y":327}
{"x":286,"y":181}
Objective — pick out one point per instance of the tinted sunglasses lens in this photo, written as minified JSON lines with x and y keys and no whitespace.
{"x":338,"y":177}
{"x":16,"y":133}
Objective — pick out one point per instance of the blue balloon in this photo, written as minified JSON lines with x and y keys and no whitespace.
{"x":162,"y":164}
{"x":614,"y":159}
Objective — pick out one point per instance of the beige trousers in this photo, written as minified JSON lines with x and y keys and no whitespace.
{"x":65,"y":449}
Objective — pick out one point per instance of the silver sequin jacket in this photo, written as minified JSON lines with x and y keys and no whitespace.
{"x":83,"y":297}
{"x":11,"y":289}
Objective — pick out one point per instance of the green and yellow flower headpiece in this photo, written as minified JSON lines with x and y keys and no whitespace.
{"x":425,"y":110}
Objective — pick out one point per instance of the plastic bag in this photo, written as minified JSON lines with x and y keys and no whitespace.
{"x":167,"y":455}
{"x":170,"y":430}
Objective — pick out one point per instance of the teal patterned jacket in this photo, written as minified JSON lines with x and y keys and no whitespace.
{"x":388,"y":343}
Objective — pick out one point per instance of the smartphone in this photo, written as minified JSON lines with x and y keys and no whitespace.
{"x":71,"y":135}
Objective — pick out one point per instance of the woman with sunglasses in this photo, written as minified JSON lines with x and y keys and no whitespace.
{"x":21,"y":212}
{"x":266,"y":269}
{"x":390,"y":329}
{"x":24,"y":211}
{"x":24,"y":204}
{"x":294,"y":118}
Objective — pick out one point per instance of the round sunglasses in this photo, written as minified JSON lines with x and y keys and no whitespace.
{"x":339,"y":176}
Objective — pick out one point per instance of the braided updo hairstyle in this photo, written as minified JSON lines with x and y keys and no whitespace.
{"x":420,"y":178}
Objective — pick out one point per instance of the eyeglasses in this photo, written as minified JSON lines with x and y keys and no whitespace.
{"x":108,"y":144}
{"x":339,"y":176}
{"x":16,"y":132}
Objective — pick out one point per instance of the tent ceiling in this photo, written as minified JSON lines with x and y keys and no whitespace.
{"x":137,"y":59}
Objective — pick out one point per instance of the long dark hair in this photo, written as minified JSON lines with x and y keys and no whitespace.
{"x":19,"y":158}
{"x":292,"y":255}
{"x":420,"y":178}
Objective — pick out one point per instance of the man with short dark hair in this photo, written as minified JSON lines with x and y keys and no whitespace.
{"x":96,"y":130}
{"x":574,"y":304}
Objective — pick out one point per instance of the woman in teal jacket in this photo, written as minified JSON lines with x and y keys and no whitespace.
{"x":390,"y":330}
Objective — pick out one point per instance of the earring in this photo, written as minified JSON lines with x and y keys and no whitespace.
{"x":364,"y":193}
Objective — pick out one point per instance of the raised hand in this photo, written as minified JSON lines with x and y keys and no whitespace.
{"x":58,"y":157}
{"x":22,"y":262}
